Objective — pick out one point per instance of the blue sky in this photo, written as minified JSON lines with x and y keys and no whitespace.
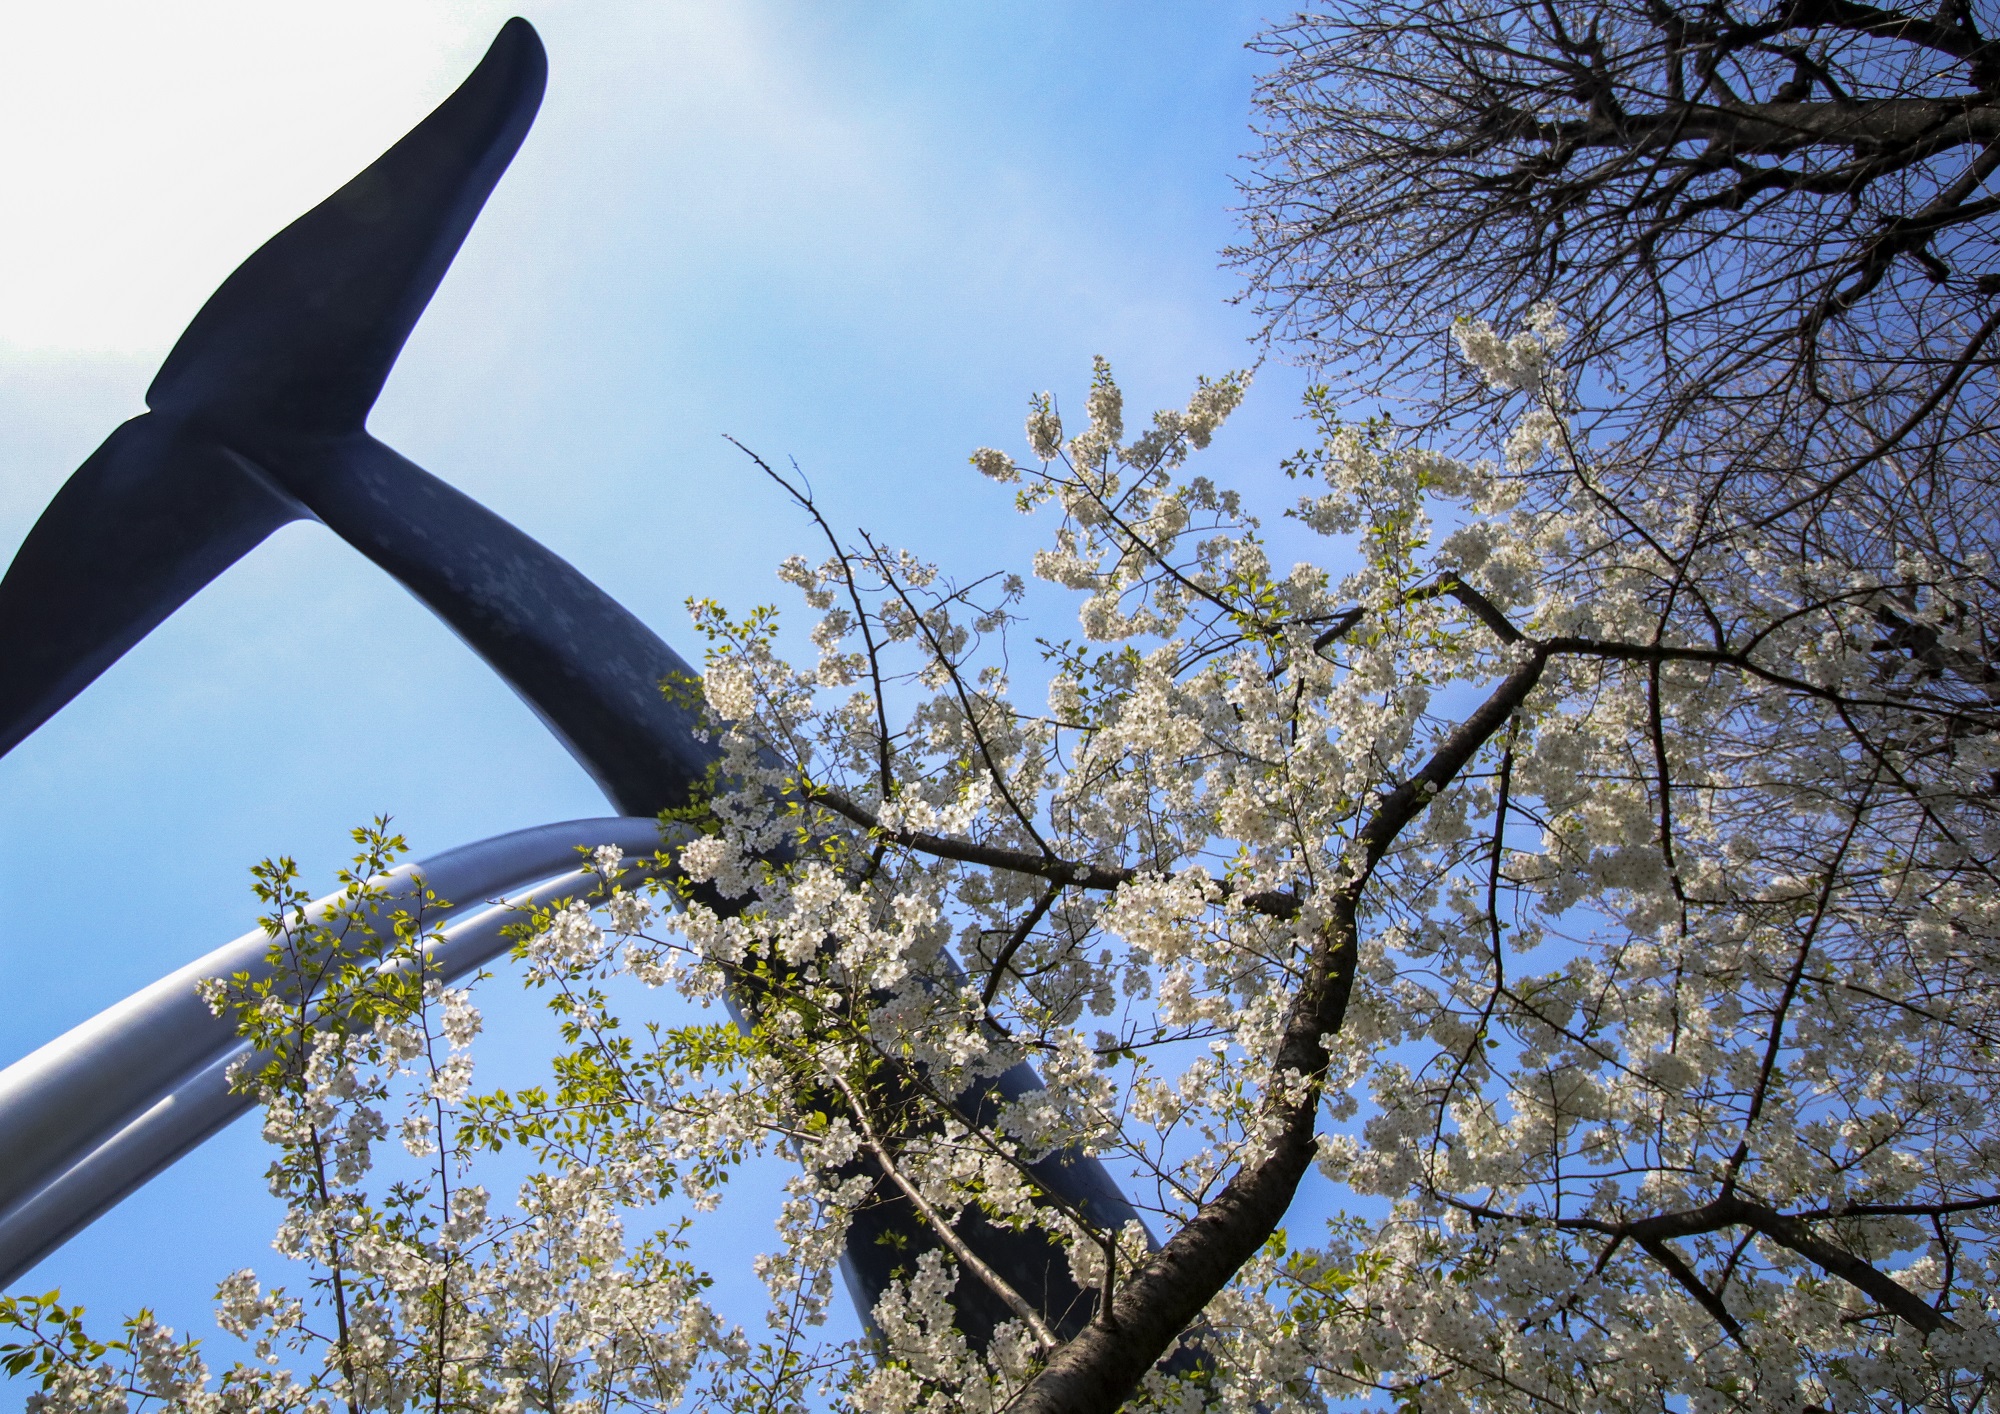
{"x":854,"y":234}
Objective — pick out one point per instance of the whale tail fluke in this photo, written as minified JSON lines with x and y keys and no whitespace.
{"x":301,"y":337}
{"x":288,"y":354}
{"x":151,"y":517}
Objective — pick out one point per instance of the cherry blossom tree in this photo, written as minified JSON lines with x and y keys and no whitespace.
{"x":1587,"y":890}
{"x":1771,"y":225}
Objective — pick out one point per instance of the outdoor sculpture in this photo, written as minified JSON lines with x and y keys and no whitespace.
{"x":257,"y":419}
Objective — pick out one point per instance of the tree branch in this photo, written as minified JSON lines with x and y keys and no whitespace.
{"x":1014,"y":942}
{"x":1679,"y":1270}
{"x":941,"y":1229}
{"x":1096,"y":1371}
{"x":1774,"y":128}
{"x":1273,"y":903}
{"x":1789,"y":1231}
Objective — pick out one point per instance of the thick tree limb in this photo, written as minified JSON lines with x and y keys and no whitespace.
{"x":1095,"y":1372}
{"x":1898,"y":25}
{"x":1790,"y":1231}
{"x":1659,"y":1251}
{"x":1935,"y":123}
{"x":1270,"y":902}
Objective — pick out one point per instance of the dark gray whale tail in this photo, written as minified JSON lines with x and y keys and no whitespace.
{"x":294,"y":346}
{"x":259,"y":417}
{"x":301,"y":338}
{"x":156,"y":513}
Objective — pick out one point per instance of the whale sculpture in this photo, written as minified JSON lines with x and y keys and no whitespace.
{"x":258,"y":418}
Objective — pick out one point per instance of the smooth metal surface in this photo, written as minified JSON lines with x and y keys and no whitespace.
{"x":120,"y":1158}
{"x":66,"y":1098}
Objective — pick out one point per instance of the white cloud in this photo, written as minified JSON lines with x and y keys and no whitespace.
{"x":146,"y":148}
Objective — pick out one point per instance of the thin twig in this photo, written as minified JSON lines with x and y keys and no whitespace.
{"x":1014,"y":942}
{"x":967,"y":1258}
